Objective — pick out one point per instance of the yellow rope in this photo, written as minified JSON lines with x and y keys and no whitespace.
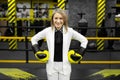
{"x":89,"y":38}
{"x":82,"y":62}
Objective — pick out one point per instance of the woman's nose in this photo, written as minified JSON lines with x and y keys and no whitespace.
{"x":58,"y":20}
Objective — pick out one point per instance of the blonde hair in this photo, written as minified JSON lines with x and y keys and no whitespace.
{"x":65,"y":18}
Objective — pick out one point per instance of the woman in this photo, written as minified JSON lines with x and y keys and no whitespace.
{"x":58,"y":38}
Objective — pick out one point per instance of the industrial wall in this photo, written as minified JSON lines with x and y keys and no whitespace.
{"x":89,"y":8}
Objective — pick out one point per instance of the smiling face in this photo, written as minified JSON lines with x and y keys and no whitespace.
{"x":58,"y":20}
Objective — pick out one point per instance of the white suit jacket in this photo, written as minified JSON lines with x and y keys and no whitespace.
{"x":48,"y":34}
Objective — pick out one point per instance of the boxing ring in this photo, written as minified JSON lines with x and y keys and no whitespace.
{"x":27,"y":60}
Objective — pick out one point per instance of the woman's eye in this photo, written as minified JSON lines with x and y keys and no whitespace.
{"x":56,"y":18}
{"x":61,"y":18}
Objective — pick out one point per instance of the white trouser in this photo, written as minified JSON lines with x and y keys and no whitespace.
{"x":58,"y":75}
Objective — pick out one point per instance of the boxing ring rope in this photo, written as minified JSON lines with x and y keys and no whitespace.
{"x":82,"y":62}
{"x":36,"y":61}
{"x":3,"y":37}
{"x":89,"y":38}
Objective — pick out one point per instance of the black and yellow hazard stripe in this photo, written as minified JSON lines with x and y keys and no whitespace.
{"x":11,"y":40}
{"x":20,"y":39}
{"x":61,"y":4}
{"x":17,"y":74}
{"x":107,"y":73}
{"x":100,"y":16}
{"x":12,"y":44}
{"x":4,"y":40}
{"x":11,"y":11}
{"x":12,"y":21}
